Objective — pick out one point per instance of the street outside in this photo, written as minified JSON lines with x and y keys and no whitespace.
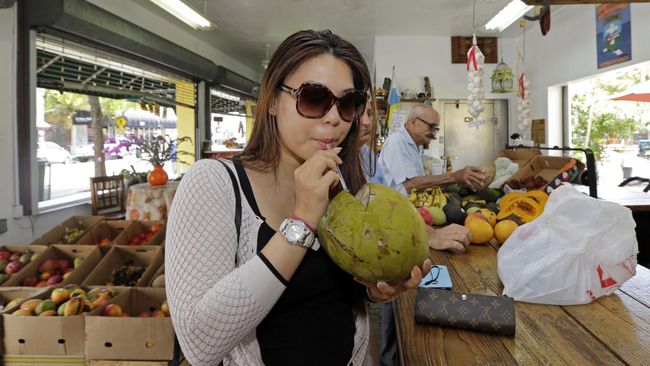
{"x":610,"y":166}
{"x":67,"y":179}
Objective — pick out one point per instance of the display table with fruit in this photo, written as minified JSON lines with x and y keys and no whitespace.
{"x":147,"y":202}
{"x":611,"y":330}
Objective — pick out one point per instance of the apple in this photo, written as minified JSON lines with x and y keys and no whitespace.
{"x":47,"y":274}
{"x":144,"y":314}
{"x":42,"y":284}
{"x":63,"y":263}
{"x":77,"y":262}
{"x":112,"y":310}
{"x":55,"y":280}
{"x":3,"y":264}
{"x":165,"y":308}
{"x":15,"y":256}
{"x":49,"y":265}
{"x":426,"y":216}
{"x":5,"y":254}
{"x":157,"y":314}
{"x":29,"y":281}
{"x":13,"y":267}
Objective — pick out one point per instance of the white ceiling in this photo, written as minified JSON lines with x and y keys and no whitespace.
{"x":245,"y":26}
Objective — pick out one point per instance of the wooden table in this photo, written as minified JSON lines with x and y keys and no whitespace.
{"x":147,"y":202}
{"x":612,"y":330}
{"x":634,"y":200}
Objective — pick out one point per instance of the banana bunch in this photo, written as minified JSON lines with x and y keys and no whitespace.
{"x":430,"y":197}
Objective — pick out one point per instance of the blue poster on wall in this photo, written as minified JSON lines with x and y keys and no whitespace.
{"x":613,"y":34}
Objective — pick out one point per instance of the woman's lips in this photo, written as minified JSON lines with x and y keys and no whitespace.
{"x":326,"y":144}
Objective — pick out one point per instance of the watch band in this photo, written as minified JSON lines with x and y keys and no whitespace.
{"x":298,"y":233}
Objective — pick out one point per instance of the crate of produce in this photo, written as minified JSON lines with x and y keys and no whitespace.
{"x":126,"y":266}
{"x":60,"y":265}
{"x":134,"y":326}
{"x":69,"y":231}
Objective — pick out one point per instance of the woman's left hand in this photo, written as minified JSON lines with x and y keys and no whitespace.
{"x":384,"y":291}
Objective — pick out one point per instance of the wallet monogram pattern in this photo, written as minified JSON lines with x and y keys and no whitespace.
{"x":494,"y":314}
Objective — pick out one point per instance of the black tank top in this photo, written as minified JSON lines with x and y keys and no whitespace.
{"x":312,"y":322}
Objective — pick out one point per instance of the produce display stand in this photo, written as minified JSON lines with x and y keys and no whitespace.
{"x":588,"y":178}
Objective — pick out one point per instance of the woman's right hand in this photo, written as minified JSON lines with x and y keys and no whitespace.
{"x":313,"y":180}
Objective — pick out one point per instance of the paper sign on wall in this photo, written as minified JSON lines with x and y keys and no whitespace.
{"x":613,"y":34}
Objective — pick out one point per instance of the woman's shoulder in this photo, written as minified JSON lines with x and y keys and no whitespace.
{"x":208,"y":168}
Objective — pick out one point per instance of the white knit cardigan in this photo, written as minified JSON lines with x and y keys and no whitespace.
{"x":219,"y":291}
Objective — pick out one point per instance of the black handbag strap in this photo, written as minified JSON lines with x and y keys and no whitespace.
{"x":235,"y":187}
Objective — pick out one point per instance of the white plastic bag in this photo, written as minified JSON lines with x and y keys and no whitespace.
{"x":579,"y":249}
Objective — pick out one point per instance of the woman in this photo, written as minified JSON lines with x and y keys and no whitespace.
{"x":267,"y":294}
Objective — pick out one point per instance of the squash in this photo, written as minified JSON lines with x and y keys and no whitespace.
{"x":507,"y":199}
{"x":540,"y":196}
{"x":525,"y":207}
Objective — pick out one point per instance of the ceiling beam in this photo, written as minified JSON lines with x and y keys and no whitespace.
{"x":567,"y":2}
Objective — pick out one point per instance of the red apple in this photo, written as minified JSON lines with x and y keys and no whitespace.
{"x":15,"y":256}
{"x":42,"y":284}
{"x":54,"y":280}
{"x":13,"y":267}
{"x":64,"y":263}
{"x":426,"y":216}
{"x":49,"y":265}
{"x":144,"y":314}
{"x":29,"y":281}
{"x":5,"y":254}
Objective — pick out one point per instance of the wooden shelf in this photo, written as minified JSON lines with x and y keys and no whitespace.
{"x":418,"y":100}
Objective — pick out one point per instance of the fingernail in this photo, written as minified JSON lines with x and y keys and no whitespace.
{"x":337,"y":149}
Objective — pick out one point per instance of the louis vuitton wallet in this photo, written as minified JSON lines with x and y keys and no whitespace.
{"x":494,"y":314}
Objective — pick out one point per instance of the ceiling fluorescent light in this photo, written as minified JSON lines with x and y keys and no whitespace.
{"x":183,"y":12}
{"x":511,"y":12}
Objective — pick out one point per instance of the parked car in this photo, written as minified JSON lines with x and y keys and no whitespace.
{"x":82,"y":153}
{"x":644,"y":148}
{"x":52,"y":152}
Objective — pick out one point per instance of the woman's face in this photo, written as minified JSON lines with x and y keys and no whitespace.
{"x":365,"y":123}
{"x":301,"y":137}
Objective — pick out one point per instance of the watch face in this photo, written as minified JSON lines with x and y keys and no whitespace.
{"x":295,"y":233}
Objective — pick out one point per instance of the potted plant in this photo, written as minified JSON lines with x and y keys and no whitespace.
{"x":157,"y":151}
{"x":132,"y":177}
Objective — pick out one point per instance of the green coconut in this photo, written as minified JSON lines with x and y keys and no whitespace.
{"x":376,"y":235}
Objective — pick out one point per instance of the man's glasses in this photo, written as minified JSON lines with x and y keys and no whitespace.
{"x":432,"y":126}
{"x":315,"y":100}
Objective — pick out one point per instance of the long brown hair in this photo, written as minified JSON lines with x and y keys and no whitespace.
{"x":263,"y":149}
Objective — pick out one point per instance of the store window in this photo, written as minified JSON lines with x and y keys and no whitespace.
{"x":606,"y":116}
{"x":131,"y":103}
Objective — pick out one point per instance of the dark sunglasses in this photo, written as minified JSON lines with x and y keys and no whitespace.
{"x":315,"y":100}
{"x":432,"y":126}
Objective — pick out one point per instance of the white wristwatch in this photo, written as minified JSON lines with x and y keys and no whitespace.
{"x":297,"y":233}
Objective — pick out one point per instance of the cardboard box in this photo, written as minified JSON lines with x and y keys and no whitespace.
{"x":159,"y":272}
{"x":36,"y":249}
{"x":91,"y":255}
{"x":56,"y":234}
{"x":141,"y":227}
{"x":519,"y":156}
{"x":546,"y":167}
{"x":149,"y":257}
{"x":43,"y":335}
{"x":132,"y":338}
{"x":109,"y":229}
{"x":10,"y":293}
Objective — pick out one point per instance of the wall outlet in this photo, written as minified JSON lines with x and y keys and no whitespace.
{"x":3,"y":226}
